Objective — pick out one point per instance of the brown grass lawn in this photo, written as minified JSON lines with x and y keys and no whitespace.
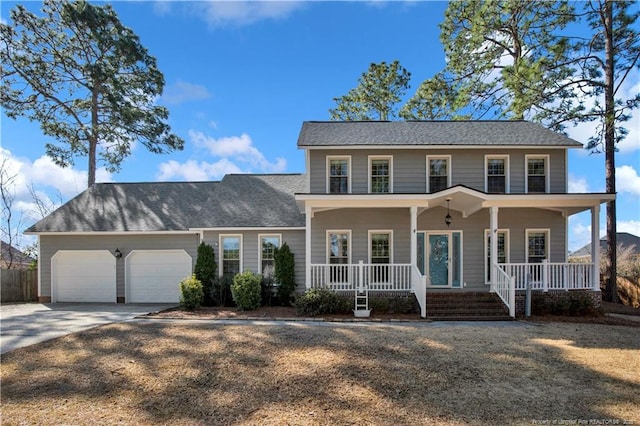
{"x":203,"y":372}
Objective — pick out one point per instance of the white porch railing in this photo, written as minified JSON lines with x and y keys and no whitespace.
{"x":551,"y":276}
{"x":504,"y":286}
{"x":357,"y":276}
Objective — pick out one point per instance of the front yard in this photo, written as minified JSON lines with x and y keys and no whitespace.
{"x":204,"y":372}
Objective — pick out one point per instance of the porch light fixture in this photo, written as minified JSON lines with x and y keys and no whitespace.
{"x":118,"y":253}
{"x":447,"y":218}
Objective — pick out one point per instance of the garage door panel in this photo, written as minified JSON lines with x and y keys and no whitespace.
{"x":153,"y":276}
{"x":84,"y":276}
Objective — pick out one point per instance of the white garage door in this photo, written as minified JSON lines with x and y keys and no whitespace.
{"x":83,"y":276}
{"x":152,"y":276}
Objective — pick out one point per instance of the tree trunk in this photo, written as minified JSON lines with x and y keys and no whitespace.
{"x":610,"y":140}
{"x":93,"y":138}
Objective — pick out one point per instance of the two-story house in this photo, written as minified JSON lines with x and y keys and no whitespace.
{"x":413,"y":207}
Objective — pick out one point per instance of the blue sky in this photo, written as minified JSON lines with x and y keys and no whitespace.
{"x":242,"y":77}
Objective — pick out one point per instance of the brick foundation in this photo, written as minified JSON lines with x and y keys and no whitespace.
{"x":595,"y":296}
{"x":44,"y":299}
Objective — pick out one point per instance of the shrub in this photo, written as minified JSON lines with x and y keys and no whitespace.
{"x":285,"y":273}
{"x":191,"y":293}
{"x":318,"y":301}
{"x":205,"y":270}
{"x":221,"y":291}
{"x":266,"y":290}
{"x":245,"y":290}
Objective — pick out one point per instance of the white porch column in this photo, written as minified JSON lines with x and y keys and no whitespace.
{"x":493,"y":234}
{"x":307,"y":246}
{"x":414,"y":235}
{"x":595,"y":246}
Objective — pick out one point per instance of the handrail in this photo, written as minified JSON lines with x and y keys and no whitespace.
{"x":419,"y":286}
{"x":504,"y":286}
{"x":351,"y":277}
{"x":551,"y":275}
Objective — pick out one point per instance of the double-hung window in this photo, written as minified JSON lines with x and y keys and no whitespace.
{"x":380,"y":243}
{"x":338,"y":172}
{"x":339,"y":253}
{"x":438,"y":173}
{"x":537,"y":245}
{"x":497,"y":174}
{"x":380,"y":174}
{"x":503,"y":250}
{"x":537,"y":173}
{"x":268,"y":246}
{"x":231,"y":254}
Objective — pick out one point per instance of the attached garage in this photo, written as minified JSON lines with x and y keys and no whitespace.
{"x":152,"y":276}
{"x":84,"y":276}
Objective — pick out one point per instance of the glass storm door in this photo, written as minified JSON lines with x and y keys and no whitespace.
{"x":438,"y":256}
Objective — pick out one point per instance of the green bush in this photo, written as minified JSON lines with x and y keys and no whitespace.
{"x":245,"y":290}
{"x":319,"y":301}
{"x":267,"y":288}
{"x":574,"y":305}
{"x":285,"y":273}
{"x":191,"y":293}
{"x":221,"y":291}
{"x":205,"y":270}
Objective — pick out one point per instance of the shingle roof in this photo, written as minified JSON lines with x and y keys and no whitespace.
{"x":18,"y":258}
{"x":236,"y":201}
{"x":623,"y":239}
{"x":255,"y":201}
{"x":354,"y":133}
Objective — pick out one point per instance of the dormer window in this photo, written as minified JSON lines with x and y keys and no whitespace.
{"x":380,"y":174}
{"x":338,"y":172}
{"x":438,"y":172}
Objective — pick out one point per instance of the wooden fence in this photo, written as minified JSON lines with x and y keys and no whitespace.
{"x":18,"y":285}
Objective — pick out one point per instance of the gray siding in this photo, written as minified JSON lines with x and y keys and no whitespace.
{"x":360,"y":221}
{"x":251,"y":250}
{"x":409,"y":168}
{"x":50,"y":244}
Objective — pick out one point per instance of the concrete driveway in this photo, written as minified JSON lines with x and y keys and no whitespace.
{"x":30,"y":323}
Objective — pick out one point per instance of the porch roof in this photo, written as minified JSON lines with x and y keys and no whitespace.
{"x":461,"y":198}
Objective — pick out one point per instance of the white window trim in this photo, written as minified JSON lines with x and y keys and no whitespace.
{"x":221,"y":250}
{"x":527,"y":231}
{"x":381,"y":231}
{"x":328,"y":171}
{"x":381,"y":157}
{"x":439,"y":157}
{"x":328,"y":242}
{"x":507,"y":249}
{"x":507,"y":171}
{"x":545,"y":157}
{"x":260,"y":236}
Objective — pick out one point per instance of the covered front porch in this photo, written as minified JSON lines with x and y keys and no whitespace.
{"x":427,"y":254}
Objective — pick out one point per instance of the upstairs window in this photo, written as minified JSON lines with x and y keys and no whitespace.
{"x":380,"y":175}
{"x":438,"y":173}
{"x":537,"y":174}
{"x":338,"y":175}
{"x":497,"y":174}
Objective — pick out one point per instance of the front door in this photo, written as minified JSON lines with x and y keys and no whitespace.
{"x":438,"y":256}
{"x":441,"y":255}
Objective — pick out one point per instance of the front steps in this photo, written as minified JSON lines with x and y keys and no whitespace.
{"x":467,"y":306}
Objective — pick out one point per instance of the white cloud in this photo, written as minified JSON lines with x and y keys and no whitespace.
{"x":631,"y":226}
{"x":239,"y":13}
{"x":234,"y":154}
{"x":196,"y":171}
{"x":577,"y":185}
{"x":241,"y":149}
{"x":627,"y":180}
{"x":181,"y":91}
